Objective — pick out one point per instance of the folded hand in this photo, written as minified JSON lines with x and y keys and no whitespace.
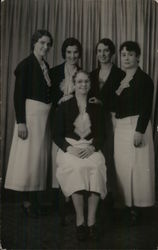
{"x":81,"y":152}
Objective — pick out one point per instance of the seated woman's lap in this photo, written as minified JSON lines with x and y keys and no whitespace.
{"x":75,"y":174}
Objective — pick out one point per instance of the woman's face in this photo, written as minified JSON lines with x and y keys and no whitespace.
{"x":82,"y":83}
{"x":129,"y":59}
{"x":103,"y":53}
{"x":72,"y":55}
{"x":42,"y":46}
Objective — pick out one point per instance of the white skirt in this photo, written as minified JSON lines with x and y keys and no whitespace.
{"x":27,"y":166}
{"x":134,"y":165}
{"x":76,"y":174}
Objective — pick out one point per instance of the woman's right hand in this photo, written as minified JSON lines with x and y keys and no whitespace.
{"x":22,"y":131}
{"x":65,"y":98}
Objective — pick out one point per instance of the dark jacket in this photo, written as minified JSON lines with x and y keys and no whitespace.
{"x":57,"y":75}
{"x":137,"y":100}
{"x":66,"y":114}
{"x":107,"y":93}
{"x":30,"y":83}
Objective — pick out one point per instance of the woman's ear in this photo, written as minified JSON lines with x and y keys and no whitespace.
{"x":138,"y":58}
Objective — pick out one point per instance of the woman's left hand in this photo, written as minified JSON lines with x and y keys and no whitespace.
{"x":138,"y":139}
{"x":86,"y":152}
{"x":94,"y":100}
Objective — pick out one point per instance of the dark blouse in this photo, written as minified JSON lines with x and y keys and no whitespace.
{"x":57,"y":75}
{"x":137,"y":100}
{"x":30,"y":83}
{"x":66,"y":114}
{"x":107,"y":93}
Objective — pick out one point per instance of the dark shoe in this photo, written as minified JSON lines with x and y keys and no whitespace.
{"x":30,"y":211}
{"x":92,"y":232}
{"x":133,"y":221}
{"x":132,"y":217}
{"x":135,"y":218}
{"x":81,"y":232}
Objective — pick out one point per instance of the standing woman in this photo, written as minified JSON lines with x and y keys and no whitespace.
{"x":105,"y":81}
{"x":134,"y":152}
{"x":27,"y":166}
{"x":61,"y":76}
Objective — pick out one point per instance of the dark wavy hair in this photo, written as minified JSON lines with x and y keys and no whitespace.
{"x":71,"y":41}
{"x":37,"y":35}
{"x":107,"y":42}
{"x":131,"y":46}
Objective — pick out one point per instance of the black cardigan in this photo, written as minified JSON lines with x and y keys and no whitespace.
{"x":66,"y":114}
{"x":30,"y":83}
{"x":57,"y":75}
{"x":107,"y":93}
{"x":137,"y":100}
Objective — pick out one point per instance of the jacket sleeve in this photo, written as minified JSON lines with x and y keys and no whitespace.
{"x":20,"y":92}
{"x":146,"y":98}
{"x":98,"y":128}
{"x":59,"y":128}
{"x":94,"y":85}
{"x":53,"y":89}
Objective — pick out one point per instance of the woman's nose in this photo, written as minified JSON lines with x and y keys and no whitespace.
{"x":84,"y":83}
{"x":102,"y":53}
{"x":72,"y":55}
{"x":126,"y":57}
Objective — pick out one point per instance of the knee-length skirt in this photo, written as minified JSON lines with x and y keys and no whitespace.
{"x":27,"y":165}
{"x":76,"y":174}
{"x":134,"y":165}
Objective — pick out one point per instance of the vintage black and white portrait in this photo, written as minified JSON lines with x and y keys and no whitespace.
{"x":79,"y":124}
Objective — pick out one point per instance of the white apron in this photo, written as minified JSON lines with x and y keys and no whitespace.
{"x":134,"y":166}
{"x":27,"y":166}
{"x":75,"y":174}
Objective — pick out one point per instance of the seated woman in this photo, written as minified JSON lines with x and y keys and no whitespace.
{"x":81,"y":165}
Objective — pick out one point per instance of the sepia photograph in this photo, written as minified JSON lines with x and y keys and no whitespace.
{"x":79,"y":124}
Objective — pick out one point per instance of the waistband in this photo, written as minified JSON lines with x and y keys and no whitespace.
{"x":33,"y":106}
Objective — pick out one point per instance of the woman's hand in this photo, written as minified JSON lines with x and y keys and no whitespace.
{"x":74,"y":151}
{"x":81,"y":152}
{"x":22,"y":131}
{"x":138,"y":139}
{"x":86,"y":152}
{"x":94,"y":100}
{"x":65,"y":98}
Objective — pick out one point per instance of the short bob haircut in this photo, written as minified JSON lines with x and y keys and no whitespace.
{"x":37,"y":35}
{"x":107,"y":42}
{"x":131,"y":46}
{"x":71,"y":41}
{"x":78,"y":72}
